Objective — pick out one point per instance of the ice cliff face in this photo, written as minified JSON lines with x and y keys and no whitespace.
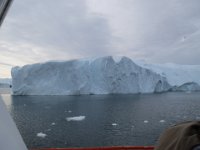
{"x":105,"y":75}
{"x":180,"y":77}
{"x":176,"y":75}
{"x":187,"y":87}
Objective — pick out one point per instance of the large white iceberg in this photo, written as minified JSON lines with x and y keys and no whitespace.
{"x":105,"y":75}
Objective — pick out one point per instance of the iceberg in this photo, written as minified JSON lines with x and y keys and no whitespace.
{"x":180,"y":77}
{"x":176,"y":75}
{"x":187,"y":87}
{"x":104,"y":75}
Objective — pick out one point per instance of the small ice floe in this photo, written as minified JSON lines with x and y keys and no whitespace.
{"x":162,"y":121}
{"x":184,"y":117}
{"x":42,"y":135}
{"x":69,"y":111}
{"x":146,"y":121}
{"x":53,"y":123}
{"x":48,"y":130}
{"x":24,"y":105}
{"x":77,"y":118}
{"x":114,"y":124}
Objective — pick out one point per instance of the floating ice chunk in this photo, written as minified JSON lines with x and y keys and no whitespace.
{"x":48,"y":129}
{"x":77,"y":118}
{"x":42,"y":135}
{"x":114,"y":124}
{"x":53,"y":123}
{"x":146,"y":121}
{"x":162,"y":121}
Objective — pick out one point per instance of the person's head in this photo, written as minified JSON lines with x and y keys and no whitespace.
{"x":183,"y":136}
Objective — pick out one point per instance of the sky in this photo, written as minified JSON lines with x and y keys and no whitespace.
{"x":156,"y":31}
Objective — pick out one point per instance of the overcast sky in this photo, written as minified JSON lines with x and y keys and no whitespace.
{"x":157,"y":31}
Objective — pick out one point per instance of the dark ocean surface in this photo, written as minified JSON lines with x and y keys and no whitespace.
{"x":100,"y":120}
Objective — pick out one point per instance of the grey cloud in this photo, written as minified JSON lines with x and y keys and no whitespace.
{"x":57,"y":29}
{"x":6,"y":64}
{"x":153,"y":30}
{"x":157,"y":30}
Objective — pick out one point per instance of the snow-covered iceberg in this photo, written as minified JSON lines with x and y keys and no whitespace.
{"x":105,"y":75}
{"x":180,"y":77}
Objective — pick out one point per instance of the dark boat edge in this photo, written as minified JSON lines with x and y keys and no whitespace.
{"x":103,"y":148}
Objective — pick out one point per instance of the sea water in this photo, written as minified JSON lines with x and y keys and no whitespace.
{"x":99,"y":120}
